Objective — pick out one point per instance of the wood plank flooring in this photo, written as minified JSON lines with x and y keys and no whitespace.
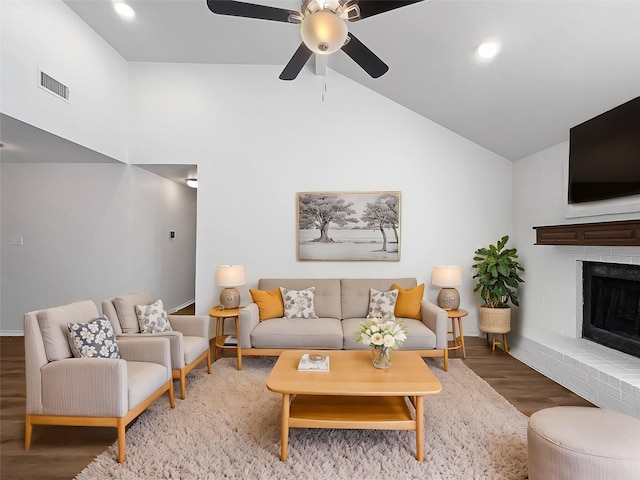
{"x":62,"y":452}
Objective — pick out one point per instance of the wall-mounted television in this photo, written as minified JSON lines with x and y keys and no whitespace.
{"x":604,"y":155}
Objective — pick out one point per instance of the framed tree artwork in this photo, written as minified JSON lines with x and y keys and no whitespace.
{"x":349,"y":226}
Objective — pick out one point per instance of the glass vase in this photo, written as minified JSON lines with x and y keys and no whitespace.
{"x":381,"y":357}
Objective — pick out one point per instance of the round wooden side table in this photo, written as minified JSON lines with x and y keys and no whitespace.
{"x":458,"y":339}
{"x":221,"y":340}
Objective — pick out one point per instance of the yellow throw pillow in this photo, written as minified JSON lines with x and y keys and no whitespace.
{"x":269,"y":303}
{"x":409,"y":301}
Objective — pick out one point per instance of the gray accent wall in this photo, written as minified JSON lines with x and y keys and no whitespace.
{"x":91,"y":231}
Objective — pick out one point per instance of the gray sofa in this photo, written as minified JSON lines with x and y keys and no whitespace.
{"x":340,"y":305}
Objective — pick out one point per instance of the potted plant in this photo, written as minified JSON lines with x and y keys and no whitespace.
{"x":497,"y":279}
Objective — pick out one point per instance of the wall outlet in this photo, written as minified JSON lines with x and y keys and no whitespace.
{"x":172,"y":234}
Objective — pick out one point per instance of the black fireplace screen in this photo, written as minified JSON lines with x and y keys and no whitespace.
{"x":612,"y":305}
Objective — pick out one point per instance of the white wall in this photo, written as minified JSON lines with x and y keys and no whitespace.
{"x":257,"y":141}
{"x":91,"y":231}
{"x":48,"y":35}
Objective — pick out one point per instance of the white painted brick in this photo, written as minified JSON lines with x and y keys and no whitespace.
{"x":630,"y":400}
{"x":616,"y":259}
{"x":576,"y":373}
{"x":599,"y":250}
{"x":627,"y":388}
{"x":605,"y":389}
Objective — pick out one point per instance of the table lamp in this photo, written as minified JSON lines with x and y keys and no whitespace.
{"x":230,"y":276}
{"x":447,"y":276}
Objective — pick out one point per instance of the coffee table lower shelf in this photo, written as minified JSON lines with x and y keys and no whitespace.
{"x":351,"y":412}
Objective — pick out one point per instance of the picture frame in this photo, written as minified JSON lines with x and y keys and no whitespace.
{"x":349,"y":226}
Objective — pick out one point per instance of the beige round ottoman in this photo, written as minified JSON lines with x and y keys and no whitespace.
{"x":583,"y":443}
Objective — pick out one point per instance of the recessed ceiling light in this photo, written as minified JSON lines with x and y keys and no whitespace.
{"x":488,"y":50}
{"x":192,"y":182}
{"x":124,"y":10}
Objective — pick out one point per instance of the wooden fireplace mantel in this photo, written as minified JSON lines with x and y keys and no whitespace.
{"x":624,"y":233}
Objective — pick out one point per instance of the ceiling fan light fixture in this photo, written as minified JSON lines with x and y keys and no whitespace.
{"x":323,"y":32}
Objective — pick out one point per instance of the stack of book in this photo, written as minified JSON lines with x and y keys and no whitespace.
{"x":231,"y":340}
{"x":314,"y":363}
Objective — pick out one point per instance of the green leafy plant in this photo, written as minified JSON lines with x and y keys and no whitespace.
{"x":497,"y":274}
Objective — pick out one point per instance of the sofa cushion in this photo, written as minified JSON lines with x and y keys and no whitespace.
{"x":298,"y":303}
{"x":153,"y":318}
{"x":327,"y":294}
{"x":53,"y":326}
{"x":125,"y":307}
{"x":419,"y":337}
{"x":409,"y":301}
{"x":269,"y":303}
{"x":94,"y":339}
{"x":320,"y":333}
{"x":382,"y":304}
{"x":355,"y":293}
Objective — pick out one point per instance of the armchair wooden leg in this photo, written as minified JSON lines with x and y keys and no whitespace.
{"x":209,"y":361}
{"x":172,"y":401}
{"x":28,"y":432}
{"x":183,"y":386}
{"x":121,"y":439}
{"x":446,"y":359}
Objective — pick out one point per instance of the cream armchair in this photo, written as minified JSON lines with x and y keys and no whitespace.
{"x":105,"y":392}
{"x":189,"y":338}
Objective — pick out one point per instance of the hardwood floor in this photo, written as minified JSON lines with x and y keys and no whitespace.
{"x":62,"y":452}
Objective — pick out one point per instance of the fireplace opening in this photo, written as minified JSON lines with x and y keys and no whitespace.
{"x":612,"y":305}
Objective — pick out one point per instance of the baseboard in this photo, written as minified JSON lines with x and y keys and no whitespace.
{"x":11,"y":333}
{"x":180,"y":307}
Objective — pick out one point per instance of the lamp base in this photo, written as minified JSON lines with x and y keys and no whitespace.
{"x":230,"y":298}
{"x":449,"y":299}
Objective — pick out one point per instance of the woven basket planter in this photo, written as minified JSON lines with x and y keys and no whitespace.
{"x":495,"y":320}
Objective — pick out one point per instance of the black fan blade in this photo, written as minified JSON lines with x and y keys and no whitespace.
{"x":369,"y":8}
{"x":249,"y":10}
{"x":364,"y":57}
{"x":296,"y":63}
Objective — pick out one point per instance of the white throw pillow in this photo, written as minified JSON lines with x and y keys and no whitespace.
{"x":299,"y":303}
{"x":94,"y":339}
{"x":153,"y":318}
{"x":382,"y":304}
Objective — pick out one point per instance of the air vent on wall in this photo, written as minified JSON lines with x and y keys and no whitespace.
{"x":54,"y":86}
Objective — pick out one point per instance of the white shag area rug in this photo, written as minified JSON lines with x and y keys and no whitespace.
{"x":229,"y":427}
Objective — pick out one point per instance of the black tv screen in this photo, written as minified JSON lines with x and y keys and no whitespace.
{"x":604,"y":155}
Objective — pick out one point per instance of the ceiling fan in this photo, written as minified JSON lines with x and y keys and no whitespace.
{"x":322,"y":26}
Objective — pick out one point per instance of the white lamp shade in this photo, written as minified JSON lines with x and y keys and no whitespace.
{"x":230,"y":276}
{"x":323,"y":32}
{"x":446,"y":276}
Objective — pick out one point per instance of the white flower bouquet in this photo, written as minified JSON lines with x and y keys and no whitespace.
{"x":379,"y":332}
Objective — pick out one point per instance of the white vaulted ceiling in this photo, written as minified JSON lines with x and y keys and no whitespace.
{"x":561,"y":62}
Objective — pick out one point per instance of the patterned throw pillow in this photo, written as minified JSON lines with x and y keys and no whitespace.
{"x":94,"y":339}
{"x":153,"y":318}
{"x":299,"y":303}
{"x":382,"y":304}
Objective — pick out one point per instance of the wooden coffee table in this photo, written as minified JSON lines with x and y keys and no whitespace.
{"x":353,"y":394}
